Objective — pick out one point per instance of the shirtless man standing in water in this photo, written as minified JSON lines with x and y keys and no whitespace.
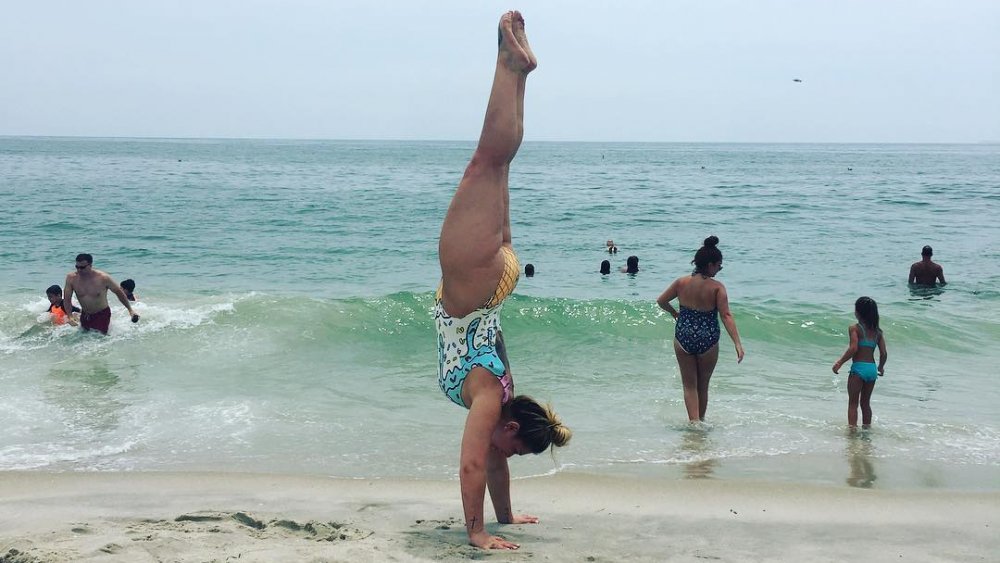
{"x":926,"y":272}
{"x":91,"y":287}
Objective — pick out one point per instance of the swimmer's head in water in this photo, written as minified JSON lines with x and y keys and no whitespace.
{"x":128,"y":285}
{"x":632,"y":264}
{"x":529,"y":270}
{"x":709,"y":253}
{"x":538,"y":426}
{"x":605,"y":266}
{"x":927,"y":251}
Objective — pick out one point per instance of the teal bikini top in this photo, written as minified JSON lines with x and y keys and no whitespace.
{"x":864,"y":338}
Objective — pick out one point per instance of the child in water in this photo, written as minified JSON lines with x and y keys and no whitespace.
{"x":58,"y":310}
{"x":128,"y":286}
{"x":865,"y":337}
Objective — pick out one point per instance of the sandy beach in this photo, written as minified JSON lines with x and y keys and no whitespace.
{"x":246,"y":517}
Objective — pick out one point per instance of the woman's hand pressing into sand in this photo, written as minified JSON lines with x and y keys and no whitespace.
{"x":486,"y":541}
{"x":522,"y":519}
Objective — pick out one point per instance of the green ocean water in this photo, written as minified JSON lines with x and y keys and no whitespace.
{"x":285,"y":289}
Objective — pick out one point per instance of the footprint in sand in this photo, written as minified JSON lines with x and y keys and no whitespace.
{"x":311,"y":530}
{"x":111,"y":548}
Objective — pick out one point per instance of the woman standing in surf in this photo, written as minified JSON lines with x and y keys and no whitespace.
{"x":478,"y":271}
{"x":703,"y":299}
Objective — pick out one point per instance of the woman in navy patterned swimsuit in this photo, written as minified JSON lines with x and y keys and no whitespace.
{"x":696,"y":339}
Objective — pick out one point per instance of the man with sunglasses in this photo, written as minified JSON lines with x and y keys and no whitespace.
{"x":91,"y":287}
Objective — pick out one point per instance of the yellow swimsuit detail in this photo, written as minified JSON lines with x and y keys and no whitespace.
{"x":508,"y":279}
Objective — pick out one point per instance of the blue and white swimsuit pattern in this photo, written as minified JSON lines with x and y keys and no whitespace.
{"x":697,"y":331}
{"x":466,"y":343}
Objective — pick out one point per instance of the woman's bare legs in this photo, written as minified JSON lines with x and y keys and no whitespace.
{"x":696,"y":371}
{"x":689,"y":379}
{"x":478,"y":221}
{"x":706,"y":366}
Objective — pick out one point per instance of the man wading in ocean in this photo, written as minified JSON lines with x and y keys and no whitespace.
{"x":926,"y":272}
{"x":91,"y":287}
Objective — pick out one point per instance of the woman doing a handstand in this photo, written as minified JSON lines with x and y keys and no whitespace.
{"x":478,"y":271}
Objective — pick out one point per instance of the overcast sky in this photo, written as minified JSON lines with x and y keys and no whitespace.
{"x":693,"y":70}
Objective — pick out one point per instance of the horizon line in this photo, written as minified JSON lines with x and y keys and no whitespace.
{"x":411,"y":140}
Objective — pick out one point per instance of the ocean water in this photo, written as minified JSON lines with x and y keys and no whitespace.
{"x":286,"y":287}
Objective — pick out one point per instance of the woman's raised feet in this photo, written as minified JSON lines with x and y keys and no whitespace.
{"x":514,"y":50}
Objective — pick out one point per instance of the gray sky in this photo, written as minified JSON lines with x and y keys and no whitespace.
{"x":693,"y":70}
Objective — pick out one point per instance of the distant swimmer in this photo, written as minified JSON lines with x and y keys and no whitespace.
{"x":91,"y":287}
{"x":796,"y":80}
{"x":479,"y":270}
{"x":612,"y":249}
{"x":605,"y":267}
{"x":926,"y":272}
{"x":529,"y":270}
{"x":631,"y":265}
{"x":57,"y":310}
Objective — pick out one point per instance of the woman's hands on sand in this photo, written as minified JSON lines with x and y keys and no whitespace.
{"x":486,"y":541}
{"x":522,"y":519}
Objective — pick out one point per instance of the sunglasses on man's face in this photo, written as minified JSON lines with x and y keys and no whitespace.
{"x":84,"y":267}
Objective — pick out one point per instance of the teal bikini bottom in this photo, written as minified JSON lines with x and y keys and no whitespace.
{"x":867,"y":371}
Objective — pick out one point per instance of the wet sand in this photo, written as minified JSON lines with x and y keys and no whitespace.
{"x":138,"y":517}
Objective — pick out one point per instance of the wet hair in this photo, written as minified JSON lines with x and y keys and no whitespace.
{"x":867,"y":311}
{"x":529,"y":270}
{"x":709,"y":253}
{"x":605,"y":266}
{"x":128,"y":285}
{"x":54,"y":290}
{"x":632,"y":264}
{"x":84,"y":257}
{"x":538,"y":426}
{"x":927,"y":251}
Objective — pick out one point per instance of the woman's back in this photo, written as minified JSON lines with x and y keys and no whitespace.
{"x":698,"y":292}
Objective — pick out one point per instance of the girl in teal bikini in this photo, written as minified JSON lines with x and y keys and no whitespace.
{"x":478,"y":272}
{"x":865,"y":337}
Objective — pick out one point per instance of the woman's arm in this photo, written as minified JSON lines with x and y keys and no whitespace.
{"x":722,"y":303}
{"x":667,"y":296}
{"x":498,"y":482}
{"x":484,"y":412}
{"x":851,"y":348}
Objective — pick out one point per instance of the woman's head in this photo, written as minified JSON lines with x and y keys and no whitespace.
{"x":128,"y":285}
{"x":708,"y":256}
{"x":605,"y":266}
{"x":536,"y":426}
{"x":866,"y":310}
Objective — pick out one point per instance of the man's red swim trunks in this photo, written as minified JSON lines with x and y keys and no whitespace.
{"x":100,"y":320}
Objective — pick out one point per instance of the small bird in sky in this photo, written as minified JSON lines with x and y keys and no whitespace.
{"x":796,"y":80}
